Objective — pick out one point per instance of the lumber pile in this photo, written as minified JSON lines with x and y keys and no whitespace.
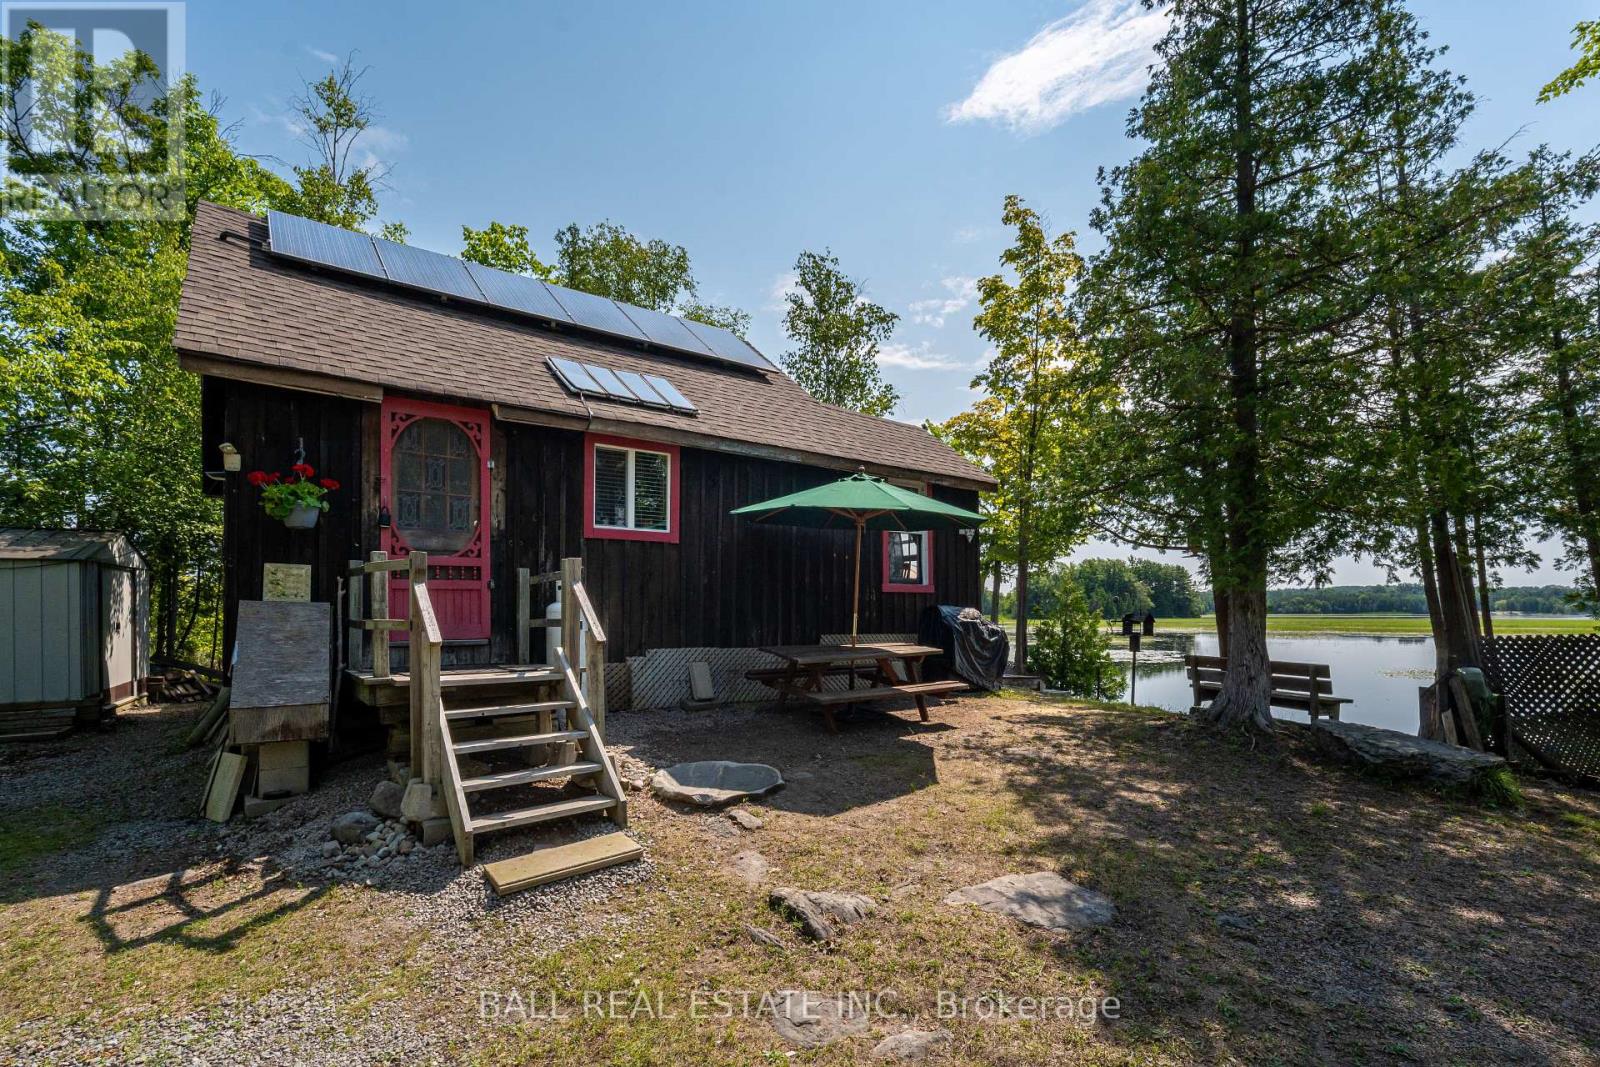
{"x":181,"y":685}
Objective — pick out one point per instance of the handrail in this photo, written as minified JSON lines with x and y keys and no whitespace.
{"x":427,"y":618}
{"x":592,"y":743}
{"x":590,"y":616}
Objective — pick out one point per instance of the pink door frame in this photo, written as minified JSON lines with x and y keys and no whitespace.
{"x":459,"y":582}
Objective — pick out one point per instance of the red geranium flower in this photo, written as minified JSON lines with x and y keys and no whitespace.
{"x":304,"y":470}
{"x":272,"y":479}
{"x":329,"y":484}
{"x":256,"y":478}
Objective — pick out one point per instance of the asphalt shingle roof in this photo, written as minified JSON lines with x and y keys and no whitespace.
{"x":243,"y":305}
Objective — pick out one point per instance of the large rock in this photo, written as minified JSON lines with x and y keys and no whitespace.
{"x":386,"y":798}
{"x":822,"y":915}
{"x":910,"y":1045}
{"x":811,"y":1020}
{"x":1043,"y":899}
{"x":713,"y":783}
{"x":352,"y":827}
{"x":1394,"y":755}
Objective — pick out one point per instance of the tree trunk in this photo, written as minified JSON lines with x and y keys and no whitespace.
{"x":994,"y":596}
{"x":1581,"y":479}
{"x":1244,"y":701}
{"x":1022,"y":589}
{"x":1430,"y":591}
{"x":1464,"y":562}
{"x":1483,"y":576}
{"x":1455,"y":608}
{"x":1219,"y":609}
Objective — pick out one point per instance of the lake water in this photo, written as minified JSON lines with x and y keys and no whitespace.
{"x":1381,"y":675}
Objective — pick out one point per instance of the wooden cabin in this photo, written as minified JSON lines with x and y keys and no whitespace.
{"x":502,"y":425}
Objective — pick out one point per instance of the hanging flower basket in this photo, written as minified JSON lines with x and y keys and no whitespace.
{"x":294,"y":498}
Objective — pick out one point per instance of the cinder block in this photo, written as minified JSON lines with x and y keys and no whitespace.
{"x":435,"y":831}
{"x":284,"y":755}
{"x":283,"y":780}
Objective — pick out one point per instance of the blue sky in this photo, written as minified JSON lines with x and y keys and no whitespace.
{"x":886,"y":131}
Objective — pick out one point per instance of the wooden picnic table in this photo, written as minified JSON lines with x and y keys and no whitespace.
{"x":806,"y":667}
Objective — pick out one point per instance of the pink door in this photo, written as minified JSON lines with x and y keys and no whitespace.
{"x":435,"y":486}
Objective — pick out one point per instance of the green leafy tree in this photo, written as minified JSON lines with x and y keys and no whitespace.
{"x":1586,"y":42}
{"x":1111,"y":587}
{"x":1071,"y":651}
{"x":729,"y":318}
{"x":99,"y":426}
{"x":836,"y":331}
{"x":1028,"y":429}
{"x":1235,"y":251}
{"x":1172,"y":591}
{"x":504,"y":247}
{"x":607,"y":260}
{"x":340,"y":185}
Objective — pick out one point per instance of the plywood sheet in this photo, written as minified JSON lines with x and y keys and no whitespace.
{"x":563,"y":861}
{"x":281,"y":682}
{"x":225,"y":784}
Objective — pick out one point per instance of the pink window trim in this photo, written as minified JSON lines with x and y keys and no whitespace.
{"x":608,"y":533}
{"x":927,"y":566}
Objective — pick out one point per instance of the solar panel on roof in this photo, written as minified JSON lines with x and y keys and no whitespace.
{"x":517,"y":292}
{"x":670,"y":393}
{"x":728,"y":345}
{"x":642,"y":389}
{"x":317,"y":242}
{"x":609,"y":382}
{"x":596,"y":312}
{"x":574,"y":376}
{"x":664,"y":329}
{"x":423,"y":269}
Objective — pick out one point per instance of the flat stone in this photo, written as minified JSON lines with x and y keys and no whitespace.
{"x":1041,"y":899}
{"x":822,"y":916}
{"x":745,"y":819}
{"x":330,"y":849}
{"x":1394,"y":755}
{"x":713,"y":783}
{"x":436,"y":832}
{"x":386,"y":798}
{"x":910,"y":1044}
{"x":421,"y":802}
{"x":352,"y":827}
{"x":752,"y":867}
{"x":810,"y":1020}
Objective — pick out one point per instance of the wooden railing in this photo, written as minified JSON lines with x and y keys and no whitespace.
{"x":359,"y":623}
{"x":583,"y":638}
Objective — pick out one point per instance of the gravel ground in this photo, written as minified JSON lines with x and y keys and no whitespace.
{"x":140,"y":778}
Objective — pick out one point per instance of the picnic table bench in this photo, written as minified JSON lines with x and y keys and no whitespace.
{"x":890,"y":670}
{"x":1304,"y":687}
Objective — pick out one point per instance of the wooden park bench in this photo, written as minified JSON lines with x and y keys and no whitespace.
{"x":1306,"y":687}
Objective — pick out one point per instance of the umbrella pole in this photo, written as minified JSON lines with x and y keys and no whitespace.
{"x":855,"y":606}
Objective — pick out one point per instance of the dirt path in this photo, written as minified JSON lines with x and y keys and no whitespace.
{"x":1270,"y":908}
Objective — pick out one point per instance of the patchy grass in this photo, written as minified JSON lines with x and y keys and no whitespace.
{"x":29,"y":835}
{"x":1271,"y":909}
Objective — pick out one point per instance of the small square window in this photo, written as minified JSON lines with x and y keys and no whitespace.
{"x":631,"y":490}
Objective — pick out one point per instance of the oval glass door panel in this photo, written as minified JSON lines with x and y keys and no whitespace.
{"x":436,"y":488}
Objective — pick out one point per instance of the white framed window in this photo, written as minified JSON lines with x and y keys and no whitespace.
{"x":631,"y":491}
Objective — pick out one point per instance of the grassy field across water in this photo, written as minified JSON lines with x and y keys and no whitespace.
{"x":1399,"y":625}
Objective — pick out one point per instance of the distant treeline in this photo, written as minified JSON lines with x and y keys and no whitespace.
{"x":1410,"y":600}
{"x":1113,"y":587}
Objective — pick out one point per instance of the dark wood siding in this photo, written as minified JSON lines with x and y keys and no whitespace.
{"x":726,"y":583}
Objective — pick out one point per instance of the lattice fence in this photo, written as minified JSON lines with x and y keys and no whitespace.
{"x":1551,"y":687}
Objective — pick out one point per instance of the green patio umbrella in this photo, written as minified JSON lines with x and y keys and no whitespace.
{"x":866,"y":503}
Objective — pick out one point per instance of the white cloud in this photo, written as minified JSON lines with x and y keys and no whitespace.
{"x":919,"y":358}
{"x":778,"y":293}
{"x":961,"y":289}
{"x":1095,"y":55}
{"x":324,"y":55}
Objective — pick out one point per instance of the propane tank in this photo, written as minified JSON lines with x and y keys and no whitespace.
{"x":552,"y":636}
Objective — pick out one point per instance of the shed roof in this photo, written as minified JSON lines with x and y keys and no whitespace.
{"x":20,"y":543}
{"x":247,"y":313}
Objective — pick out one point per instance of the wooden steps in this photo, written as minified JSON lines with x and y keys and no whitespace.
{"x":493,"y":744}
{"x":500,"y":779}
{"x":494,"y":710}
{"x":563,"y":861}
{"x":560,"y":809}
